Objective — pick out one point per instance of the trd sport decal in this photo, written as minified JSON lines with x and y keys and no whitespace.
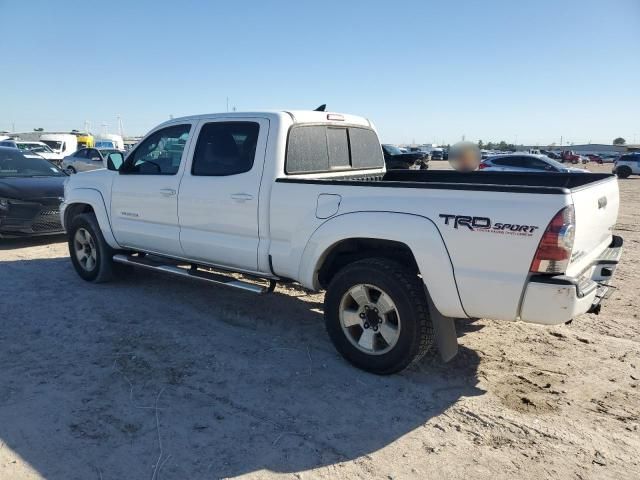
{"x":484,"y":224}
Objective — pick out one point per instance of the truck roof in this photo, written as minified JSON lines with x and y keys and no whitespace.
{"x":296,"y":116}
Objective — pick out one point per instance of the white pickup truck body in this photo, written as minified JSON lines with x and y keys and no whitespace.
{"x":315,"y":197}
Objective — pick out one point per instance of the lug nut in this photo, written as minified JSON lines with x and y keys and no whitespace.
{"x":366,"y":324}
{"x":362,"y":315}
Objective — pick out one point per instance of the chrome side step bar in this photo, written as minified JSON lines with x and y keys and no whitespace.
{"x":193,"y":272}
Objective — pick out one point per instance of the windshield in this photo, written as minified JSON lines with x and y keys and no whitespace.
{"x":558,"y":165}
{"x":54,"y":144}
{"x":35,"y":147}
{"x":393,"y":150}
{"x":15,"y":164}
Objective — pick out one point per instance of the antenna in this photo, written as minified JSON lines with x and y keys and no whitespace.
{"x":321,"y":108}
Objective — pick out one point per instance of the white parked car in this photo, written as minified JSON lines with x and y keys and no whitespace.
{"x":524,"y":162}
{"x":628,"y":164}
{"x":41,"y":149}
{"x":87,"y":159}
{"x":304,"y":196}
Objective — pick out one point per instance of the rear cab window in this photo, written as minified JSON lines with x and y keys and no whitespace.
{"x":330,"y":148}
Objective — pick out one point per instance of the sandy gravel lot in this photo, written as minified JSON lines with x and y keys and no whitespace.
{"x":156,"y":377}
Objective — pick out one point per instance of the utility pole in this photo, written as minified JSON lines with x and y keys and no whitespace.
{"x":119,"y":125}
{"x":227,"y":104}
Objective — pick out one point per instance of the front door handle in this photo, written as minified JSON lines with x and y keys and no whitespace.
{"x":241,"y":197}
{"x":167,"y":192}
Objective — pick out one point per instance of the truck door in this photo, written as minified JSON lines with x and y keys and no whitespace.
{"x":218,"y":199}
{"x":144,"y":195}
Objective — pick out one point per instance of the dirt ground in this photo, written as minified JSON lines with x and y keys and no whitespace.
{"x":157,"y":377}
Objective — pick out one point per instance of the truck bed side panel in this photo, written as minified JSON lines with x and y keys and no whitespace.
{"x":491,"y":265}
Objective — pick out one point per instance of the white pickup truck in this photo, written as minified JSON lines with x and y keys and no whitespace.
{"x":304,"y":196}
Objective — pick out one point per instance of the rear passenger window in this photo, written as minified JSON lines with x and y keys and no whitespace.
{"x":322,"y":148}
{"x":505,"y":162}
{"x":225,"y":148}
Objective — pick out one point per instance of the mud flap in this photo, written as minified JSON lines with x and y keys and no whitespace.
{"x":445,"y":331}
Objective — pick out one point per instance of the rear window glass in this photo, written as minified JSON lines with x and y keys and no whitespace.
{"x":365,"y":149}
{"x":338,"y":147}
{"x":307,"y":150}
{"x":322,"y":148}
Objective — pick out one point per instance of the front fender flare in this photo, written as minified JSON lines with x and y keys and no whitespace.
{"x":93,"y":198}
{"x":419,"y":233}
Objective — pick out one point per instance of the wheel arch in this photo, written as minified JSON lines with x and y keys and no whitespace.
{"x":86,"y":200}
{"x":412,"y":240}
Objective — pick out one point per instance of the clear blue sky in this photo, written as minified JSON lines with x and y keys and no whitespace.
{"x":428,"y":71}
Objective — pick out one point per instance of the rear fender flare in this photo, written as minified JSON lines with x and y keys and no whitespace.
{"x":419,"y":233}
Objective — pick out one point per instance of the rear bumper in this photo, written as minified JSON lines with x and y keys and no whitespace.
{"x":554,"y":300}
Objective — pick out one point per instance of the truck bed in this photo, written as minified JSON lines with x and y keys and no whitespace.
{"x":541,"y":183}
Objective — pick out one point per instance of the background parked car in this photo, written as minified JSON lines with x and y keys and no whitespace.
{"x":627,"y":164}
{"x":87,"y":159}
{"x":31,"y":190}
{"x":395,"y":159}
{"x":437,"y":154}
{"x":568,"y":156}
{"x":526,"y":163}
{"x":41,"y":149}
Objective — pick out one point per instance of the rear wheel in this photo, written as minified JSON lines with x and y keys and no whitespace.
{"x":377,"y":317}
{"x":623,"y":172}
{"x":90,"y":254}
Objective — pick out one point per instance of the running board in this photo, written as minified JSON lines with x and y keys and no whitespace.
{"x":193,"y":272}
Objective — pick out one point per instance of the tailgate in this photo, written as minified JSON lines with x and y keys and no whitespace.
{"x":596,"y":211}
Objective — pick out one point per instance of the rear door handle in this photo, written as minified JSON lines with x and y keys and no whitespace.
{"x":241,"y":197}
{"x":167,"y":192}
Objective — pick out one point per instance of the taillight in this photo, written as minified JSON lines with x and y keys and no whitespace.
{"x":554,"y":250}
{"x":482,"y":165}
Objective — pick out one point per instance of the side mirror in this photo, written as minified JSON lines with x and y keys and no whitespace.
{"x":114,"y":161}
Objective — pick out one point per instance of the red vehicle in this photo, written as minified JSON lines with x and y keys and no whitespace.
{"x":569,"y":156}
{"x":595,"y":158}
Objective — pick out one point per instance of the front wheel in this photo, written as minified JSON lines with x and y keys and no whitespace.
{"x":376,"y":314}
{"x":70,"y":170}
{"x":90,"y":254}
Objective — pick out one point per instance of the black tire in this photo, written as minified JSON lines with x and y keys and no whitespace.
{"x":406,"y":290}
{"x":70,"y":170}
{"x":623,"y":172}
{"x":103,"y":268}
